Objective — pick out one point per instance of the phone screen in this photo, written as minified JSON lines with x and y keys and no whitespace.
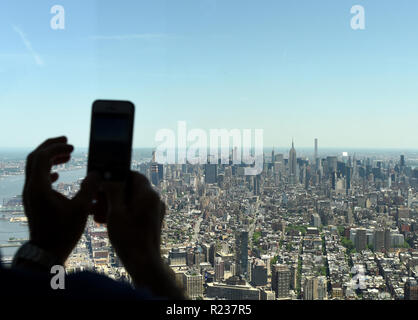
{"x":111,"y":128}
{"x":110,"y":144}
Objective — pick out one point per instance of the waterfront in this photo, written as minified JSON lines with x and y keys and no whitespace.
{"x":11,"y":186}
{"x":8,"y":230}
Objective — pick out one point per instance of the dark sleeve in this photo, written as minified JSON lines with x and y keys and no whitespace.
{"x":22,"y":284}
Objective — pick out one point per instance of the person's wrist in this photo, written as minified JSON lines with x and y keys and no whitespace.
{"x":59,"y":254}
{"x":31,"y":256}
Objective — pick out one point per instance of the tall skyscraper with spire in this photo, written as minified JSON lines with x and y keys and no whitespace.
{"x":154,"y":170}
{"x":316,"y":159}
{"x":292,"y":163}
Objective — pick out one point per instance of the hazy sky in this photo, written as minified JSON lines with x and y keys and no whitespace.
{"x":293,"y":68}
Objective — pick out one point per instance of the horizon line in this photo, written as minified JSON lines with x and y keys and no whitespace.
{"x":265,"y":147}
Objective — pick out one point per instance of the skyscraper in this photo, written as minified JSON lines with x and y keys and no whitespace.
{"x":257,"y":183}
{"x":332,"y":164}
{"x":348,"y":178}
{"x":315,"y":220}
{"x":258,"y":273}
{"x":154,"y":171}
{"x":411,"y":289}
{"x":280,"y":280}
{"x":241,"y":252}
{"x":278,"y":166}
{"x":322,"y":288}
{"x":402,"y":161}
{"x":316,"y":159}
{"x":315,"y":288}
{"x":310,"y":288}
{"x":219,"y":269}
{"x":388,"y":239}
{"x":361,"y":239}
{"x":333,"y":180}
{"x":211,"y":173}
{"x":160,"y":172}
{"x":154,"y":174}
{"x":212,"y":254}
{"x":292,"y":163}
{"x":177,"y":257}
{"x":379,"y":240}
{"x":193,"y":284}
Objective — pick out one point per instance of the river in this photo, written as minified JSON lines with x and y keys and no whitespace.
{"x":12,"y":186}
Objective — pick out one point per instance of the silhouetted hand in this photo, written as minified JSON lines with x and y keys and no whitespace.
{"x":55,"y":222}
{"x":134,"y":217}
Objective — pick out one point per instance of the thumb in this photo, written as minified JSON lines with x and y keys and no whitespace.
{"x":89,"y":187}
{"x":115,"y":194}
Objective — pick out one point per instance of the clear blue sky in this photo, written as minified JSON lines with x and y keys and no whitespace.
{"x":293,"y":68}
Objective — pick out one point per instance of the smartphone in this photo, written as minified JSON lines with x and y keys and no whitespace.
{"x":111,"y":131}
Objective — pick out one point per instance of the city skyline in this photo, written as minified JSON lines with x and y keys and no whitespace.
{"x":266,"y":148}
{"x":300,"y":230}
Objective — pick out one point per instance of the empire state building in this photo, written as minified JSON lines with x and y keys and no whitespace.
{"x":292,"y":163}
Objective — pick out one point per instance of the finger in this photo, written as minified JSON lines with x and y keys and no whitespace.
{"x":136,"y":185}
{"x":115,"y":195}
{"x":46,"y":143}
{"x":141,"y":190}
{"x":151,"y":214}
{"x":54,"y":177}
{"x":43,"y":159}
{"x":138,"y":180}
{"x":61,"y":159}
{"x":89,"y":188}
{"x":99,"y":208}
{"x":51,"y":141}
{"x":151,"y":207}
